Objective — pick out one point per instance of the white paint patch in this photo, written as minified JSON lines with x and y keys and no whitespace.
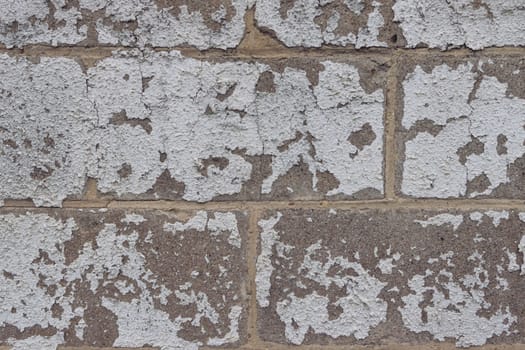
{"x":298,"y":28}
{"x":432,"y":166}
{"x":442,"y":219}
{"x":133,"y":219}
{"x":269,"y":237}
{"x":476,"y":216}
{"x":219,"y":223}
{"x":521,"y":249}
{"x":497,"y":216}
{"x":446,"y":24}
{"x":233,"y":334}
{"x":386,"y":265}
{"x":522,"y":216}
{"x":513,"y":261}
{"x":362,"y":307}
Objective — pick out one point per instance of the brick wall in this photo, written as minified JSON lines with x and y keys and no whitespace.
{"x":262,"y":174}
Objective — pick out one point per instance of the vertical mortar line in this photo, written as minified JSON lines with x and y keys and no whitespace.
{"x":251,"y":259}
{"x":391,"y":101}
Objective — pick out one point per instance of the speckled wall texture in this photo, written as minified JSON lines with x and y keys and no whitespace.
{"x":262,"y":174}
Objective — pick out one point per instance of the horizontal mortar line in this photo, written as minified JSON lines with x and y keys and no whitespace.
{"x":105,"y":51}
{"x":386,"y":204}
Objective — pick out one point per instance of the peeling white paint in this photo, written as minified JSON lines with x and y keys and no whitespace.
{"x":459,"y":310}
{"x":155,"y":26}
{"x":35,"y":235}
{"x":432,"y":166}
{"x":362,"y":307}
{"x":46,"y":129}
{"x":233,"y":334}
{"x":269,"y":237}
{"x":446,"y":24}
{"x":476,"y":216}
{"x":25,"y":280}
{"x":497,"y":216}
{"x":133,"y":219}
{"x":513,"y":261}
{"x":521,"y":249}
{"x":148,"y":114}
{"x":218,"y":224}
{"x":299,"y":27}
{"x":442,"y":219}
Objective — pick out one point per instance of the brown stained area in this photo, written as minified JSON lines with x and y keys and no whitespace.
{"x":376,"y":235}
{"x":121,"y":118}
{"x":228,"y":93}
{"x":251,"y":189}
{"x":266,"y":82}
{"x":516,"y":186}
{"x":474,"y":146}
{"x":218,"y":162}
{"x":478,"y":184}
{"x":285,"y":6}
{"x":102,"y":328}
{"x":391,"y":33}
{"x":207,"y":9}
{"x":362,"y":137}
{"x":125,"y":171}
{"x":424,"y":125}
{"x":10,"y":143}
{"x":8,"y":331}
{"x":501,"y":148}
{"x":41,"y":173}
{"x":350,"y":20}
{"x":166,"y":187}
{"x":286,"y":144}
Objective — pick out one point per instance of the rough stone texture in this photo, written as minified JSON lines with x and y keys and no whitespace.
{"x":120,"y":278}
{"x":165,"y":23}
{"x":472,"y":23}
{"x":161,"y":126}
{"x":462,"y":128}
{"x":371,"y":276}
